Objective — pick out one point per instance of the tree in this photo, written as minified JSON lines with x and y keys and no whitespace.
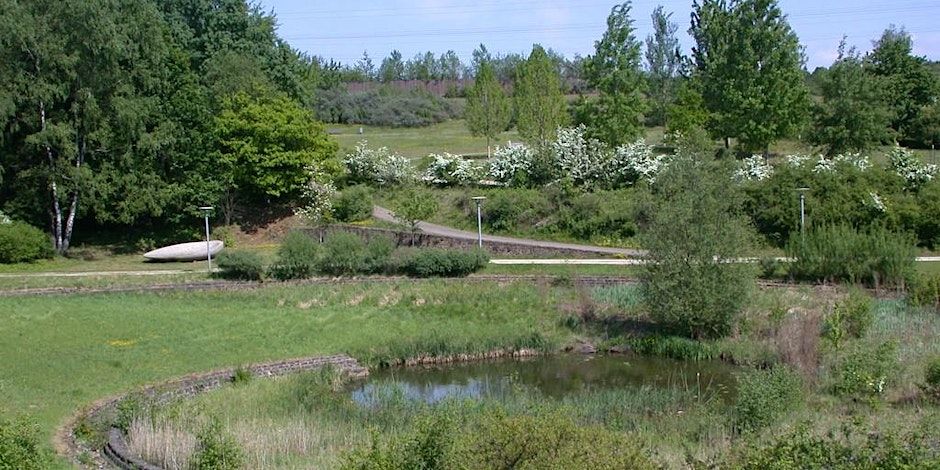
{"x":910,"y":86}
{"x":852,"y":115}
{"x":749,"y":63}
{"x":540,"y":105}
{"x":662,"y":60}
{"x":616,"y":115}
{"x":412,"y":206}
{"x":488,"y":109}
{"x":392,"y":68}
{"x":693,"y":283}
{"x":267,"y":148}
{"x":366,"y":67}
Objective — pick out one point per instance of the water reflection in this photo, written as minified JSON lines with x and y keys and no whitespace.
{"x":553,"y":376}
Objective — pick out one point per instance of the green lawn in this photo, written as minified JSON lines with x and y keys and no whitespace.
{"x":449,"y":136}
{"x":62,"y":352}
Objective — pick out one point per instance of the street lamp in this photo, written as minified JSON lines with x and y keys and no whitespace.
{"x":802,"y":211}
{"x":479,"y":201}
{"x":206,"y":211}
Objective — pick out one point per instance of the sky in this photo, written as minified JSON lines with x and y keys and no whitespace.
{"x":344,"y":30}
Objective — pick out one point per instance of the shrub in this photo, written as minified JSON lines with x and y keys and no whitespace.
{"x":446,"y":169}
{"x":865,"y":371}
{"x":22,"y":243}
{"x":764,"y":396}
{"x":875,"y":257}
{"x":383,"y":107}
{"x":851,"y":317}
{"x":296,"y":257}
{"x":347,"y":253}
{"x":508,"y":209}
{"x":924,"y":291}
{"x":510,"y":164}
{"x":444,"y":263}
{"x":932,"y":379}
{"x":379,"y":166}
{"x":240,"y":265}
{"x":226,"y":233}
{"x":21,"y":446}
{"x":215,"y":450}
{"x":353,"y":204}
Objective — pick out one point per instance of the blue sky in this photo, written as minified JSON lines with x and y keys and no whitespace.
{"x":342,"y":31}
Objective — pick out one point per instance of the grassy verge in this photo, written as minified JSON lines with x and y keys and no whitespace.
{"x":449,"y":136}
{"x":61,"y":352}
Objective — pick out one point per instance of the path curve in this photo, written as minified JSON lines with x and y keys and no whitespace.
{"x":384,"y":214}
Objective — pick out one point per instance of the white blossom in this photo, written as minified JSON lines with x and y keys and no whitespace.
{"x":824,"y":165}
{"x":446,"y":169}
{"x":909,"y":167}
{"x":797,"y":161}
{"x":578,"y":157}
{"x":510,"y":161}
{"x":876,"y":202}
{"x":379,"y":165}
{"x":5,"y":219}
{"x":854,"y":159}
{"x":636,"y":161}
{"x":753,"y":168}
{"x":316,"y":199}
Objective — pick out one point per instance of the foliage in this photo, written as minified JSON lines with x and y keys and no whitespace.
{"x":315,"y":204}
{"x":353,"y":204}
{"x":346,"y":253}
{"x":510,"y":164}
{"x":444,"y":263}
{"x":296,"y":257}
{"x":851,"y":317}
{"x":386,"y":107}
{"x":691,"y":284}
{"x":687,"y":113}
{"x":876,"y":257}
{"x":754,"y":168}
{"x":924,"y":291}
{"x":864,"y":371}
{"x":266,"y":146}
{"x":749,"y":64}
{"x":675,"y":347}
{"x":446,"y":169}
{"x":241,"y":265}
{"x":577,"y":157}
{"x":488,"y":110}
{"x":21,"y":243}
{"x":906,"y":165}
{"x":852,"y":115}
{"x":764,"y":396}
{"x":412,"y":206}
{"x":663,"y":63}
{"x":21,"y":446}
{"x":540,"y":105}
{"x":215,"y":450}
{"x":931,"y":384}
{"x":616,"y":115}
{"x":851,"y":449}
{"x":379,"y":166}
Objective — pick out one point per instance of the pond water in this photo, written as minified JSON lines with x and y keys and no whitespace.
{"x":555,"y":376}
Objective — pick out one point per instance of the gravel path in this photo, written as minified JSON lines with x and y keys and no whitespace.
{"x":382,"y":213}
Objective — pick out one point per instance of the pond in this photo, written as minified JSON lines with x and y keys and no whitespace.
{"x":557,"y":376}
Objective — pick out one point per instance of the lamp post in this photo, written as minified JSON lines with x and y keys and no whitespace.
{"x":802,"y":212}
{"x":206,"y":211}
{"x":479,"y":201}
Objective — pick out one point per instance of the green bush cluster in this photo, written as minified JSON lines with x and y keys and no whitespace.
{"x":385,"y":107}
{"x":22,"y":243}
{"x":864,"y":371}
{"x":931,"y":384}
{"x":875,"y":257}
{"x":240,"y":265}
{"x":924,"y":291}
{"x":855,"y":450}
{"x":296,"y":257}
{"x":495,"y":439}
{"x":215,"y":450}
{"x":347,"y":253}
{"x":353,"y":204}
{"x":21,"y":446}
{"x":443,"y":263}
{"x":851,"y":317}
{"x":764,"y":396}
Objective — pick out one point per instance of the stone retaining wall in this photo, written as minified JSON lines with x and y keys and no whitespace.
{"x":403,"y":238}
{"x":116,"y":448}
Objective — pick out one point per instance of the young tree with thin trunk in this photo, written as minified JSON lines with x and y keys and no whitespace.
{"x":540,"y":104}
{"x":412,"y":206}
{"x":662,"y":61}
{"x":488,"y":109}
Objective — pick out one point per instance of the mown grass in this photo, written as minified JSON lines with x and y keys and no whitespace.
{"x":449,"y":136}
{"x":62,"y":352}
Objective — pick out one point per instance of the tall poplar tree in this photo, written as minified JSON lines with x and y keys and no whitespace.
{"x":540,"y":104}
{"x":662,"y":60}
{"x":616,"y":115}
{"x":488,"y":109}
{"x":749,"y":63}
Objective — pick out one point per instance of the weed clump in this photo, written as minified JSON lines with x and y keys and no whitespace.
{"x":764,"y":396}
{"x":240,"y":265}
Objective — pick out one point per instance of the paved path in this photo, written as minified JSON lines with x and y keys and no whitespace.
{"x":433,"y":229}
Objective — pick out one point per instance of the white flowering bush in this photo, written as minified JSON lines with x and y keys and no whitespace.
{"x":368,"y":165}
{"x":797,"y":161}
{"x":854,"y":159}
{"x":635,"y":161}
{"x":753,"y":168}
{"x":875,"y":202}
{"x":824,"y":165}
{"x":510,"y":163}
{"x":5,"y":219}
{"x":577,"y":157}
{"x":908,"y":166}
{"x":446,"y":169}
{"x":316,"y":200}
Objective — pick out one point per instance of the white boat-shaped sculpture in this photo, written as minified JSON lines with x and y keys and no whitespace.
{"x":192,"y":251}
